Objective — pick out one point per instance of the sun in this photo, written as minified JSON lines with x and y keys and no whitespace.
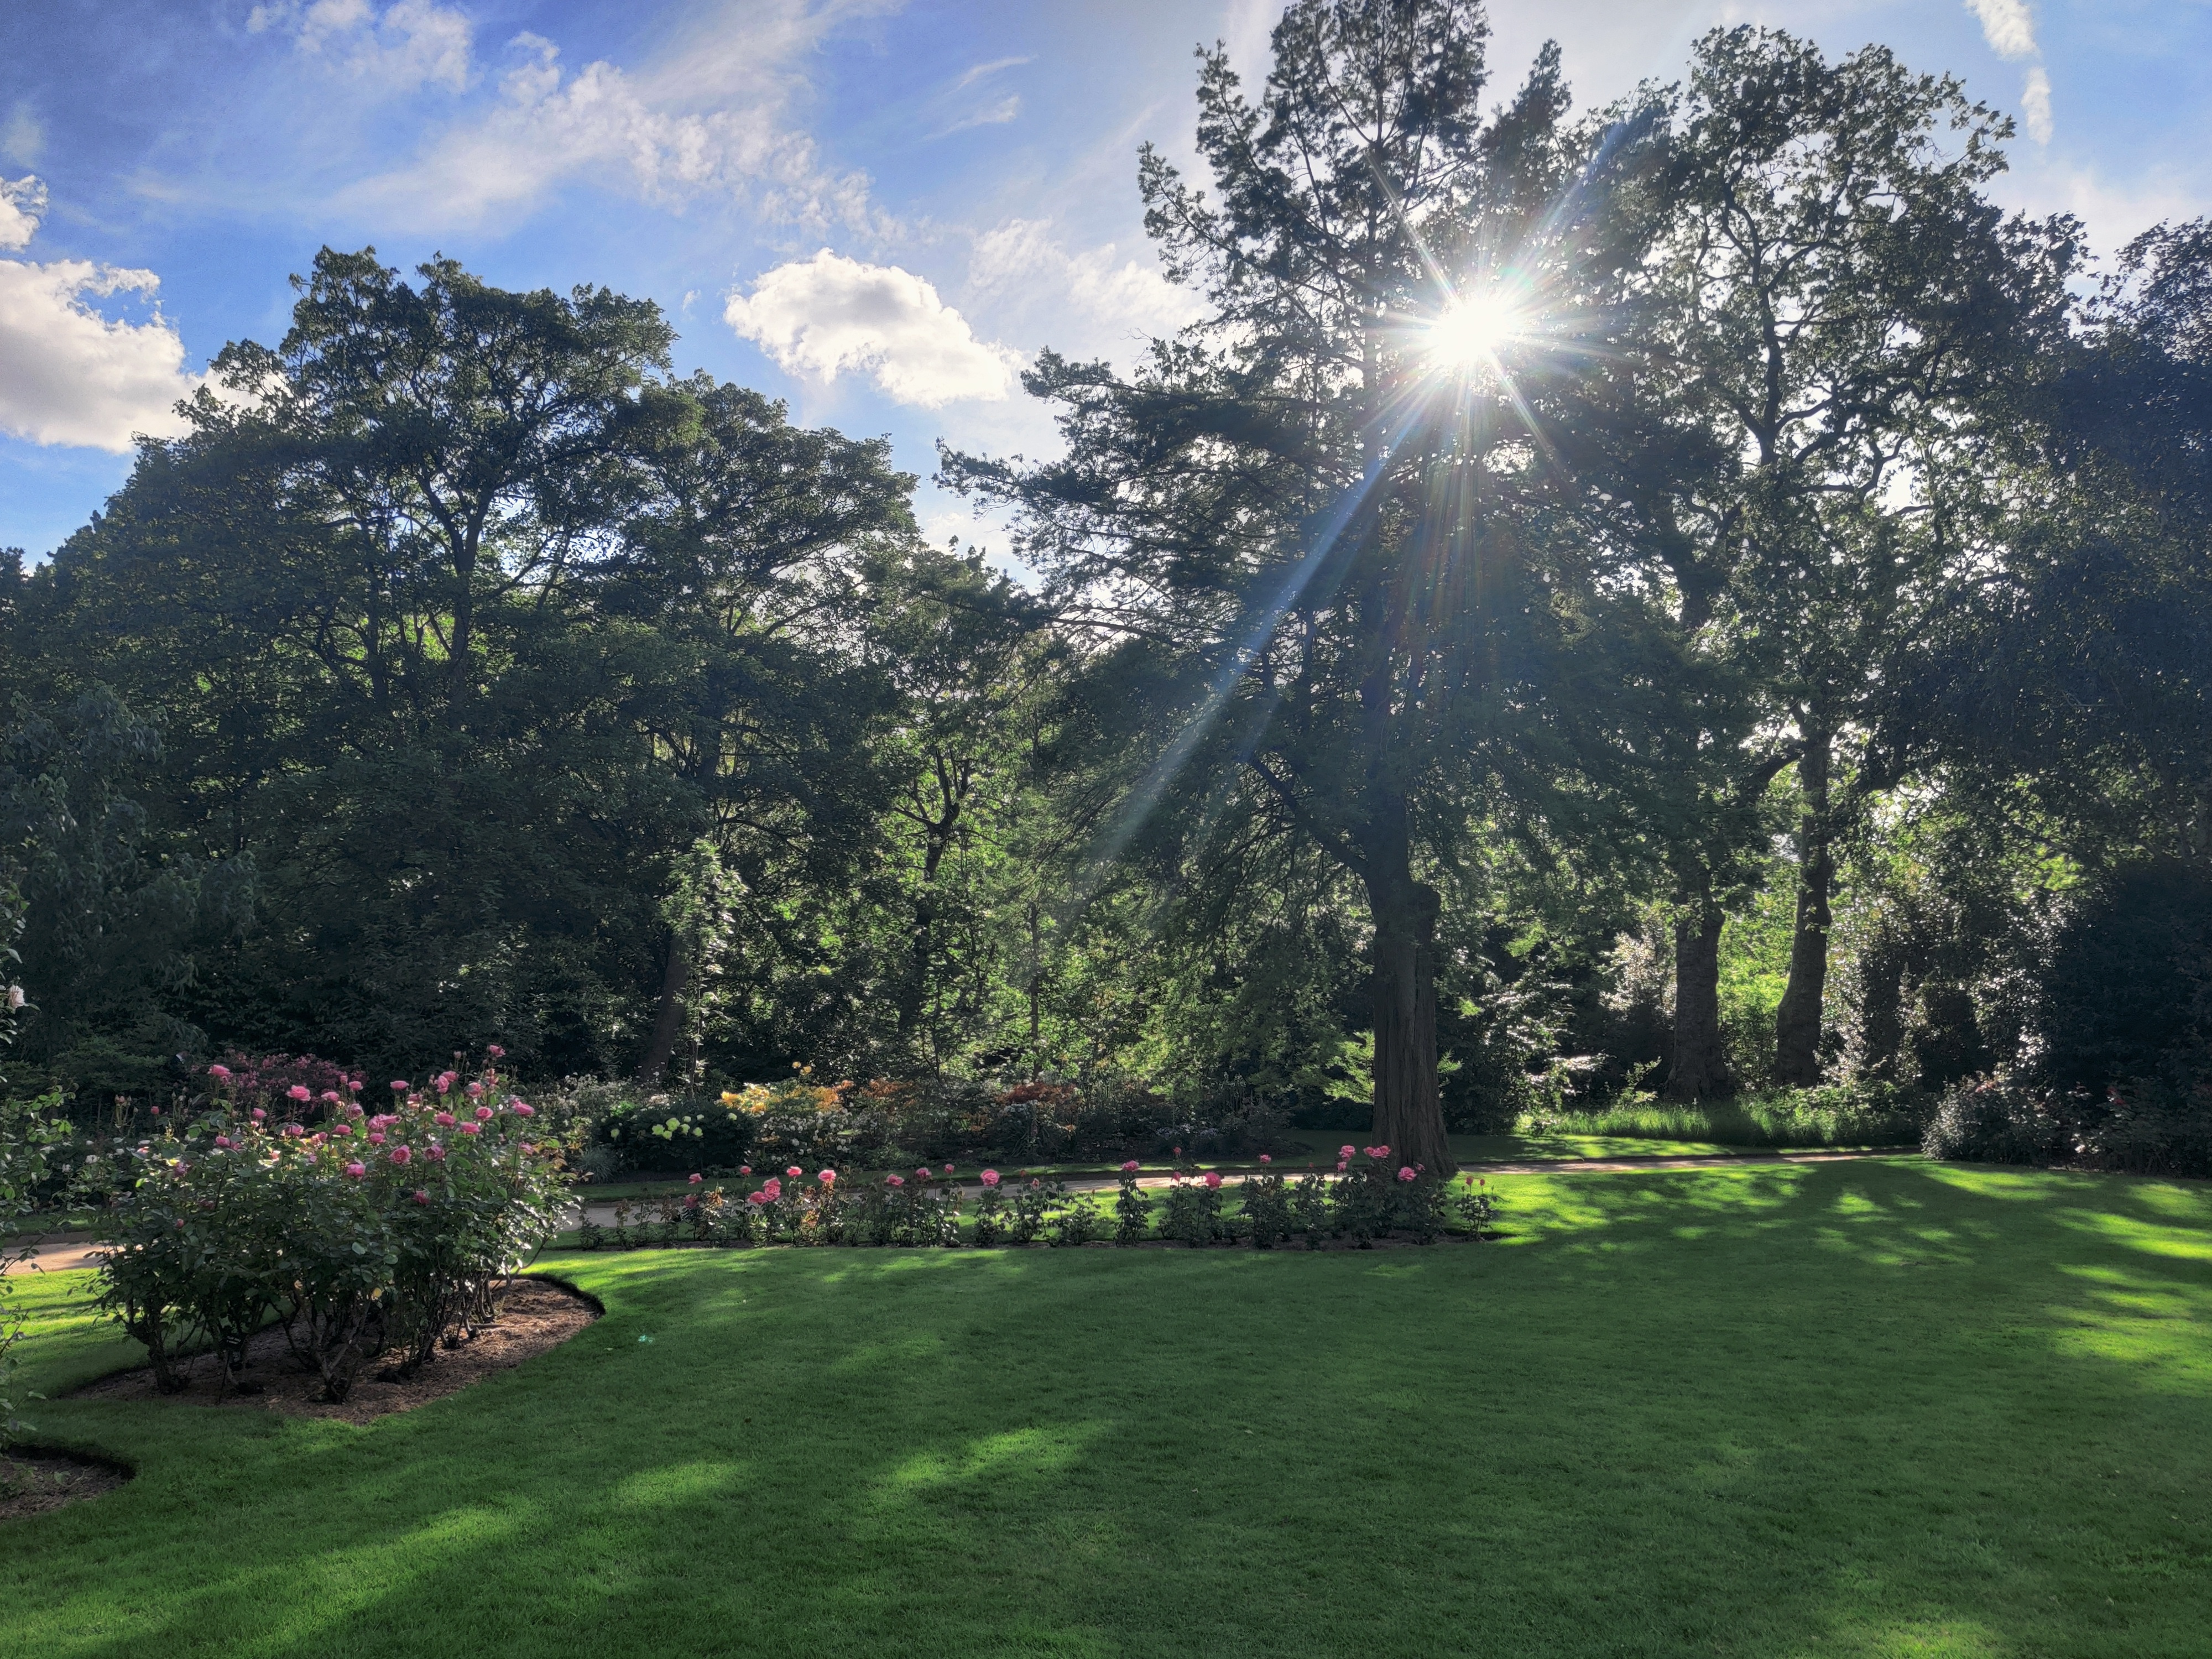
{"x":1476,"y":326}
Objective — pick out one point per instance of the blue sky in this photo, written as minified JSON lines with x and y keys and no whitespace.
{"x":876,"y":210}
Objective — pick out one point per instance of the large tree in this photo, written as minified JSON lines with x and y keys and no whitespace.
{"x":1307,"y":538}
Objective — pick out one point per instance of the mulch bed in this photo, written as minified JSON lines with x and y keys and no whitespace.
{"x":32,"y":1482}
{"x":535,"y":1315}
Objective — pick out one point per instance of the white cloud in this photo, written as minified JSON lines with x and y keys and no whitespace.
{"x":970,"y":78}
{"x":2007,"y":25}
{"x":24,"y":138}
{"x":708,"y":119}
{"x":412,"y":42}
{"x":830,"y":313}
{"x":1086,"y":302}
{"x":997,"y":115}
{"x":74,"y":377}
{"x":22,"y":204}
{"x":2035,"y":105}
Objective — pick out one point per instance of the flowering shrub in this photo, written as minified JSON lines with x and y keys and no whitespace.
{"x":1266,"y":1208}
{"x":1133,"y":1211}
{"x":359,"y":1233}
{"x":28,"y":1131}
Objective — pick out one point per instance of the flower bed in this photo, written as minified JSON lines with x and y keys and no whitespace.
{"x":1365,"y":1200}
{"x":355,"y":1233}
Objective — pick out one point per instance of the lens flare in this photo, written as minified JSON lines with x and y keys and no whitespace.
{"x":1476,"y":326}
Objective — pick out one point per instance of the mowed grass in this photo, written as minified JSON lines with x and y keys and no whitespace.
{"x":1870,"y":1409}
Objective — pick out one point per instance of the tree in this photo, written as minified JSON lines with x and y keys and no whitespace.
{"x":1305,"y":540}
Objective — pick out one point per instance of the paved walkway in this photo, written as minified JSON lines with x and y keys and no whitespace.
{"x":67,"y":1250}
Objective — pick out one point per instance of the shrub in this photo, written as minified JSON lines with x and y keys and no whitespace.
{"x":1266,"y":1207}
{"x":1311,"y":1214}
{"x":1193,"y":1213}
{"x":357,"y":1232}
{"x":28,"y":1132}
{"x":1133,"y":1211}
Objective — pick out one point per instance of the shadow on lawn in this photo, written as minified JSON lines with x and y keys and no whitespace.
{"x":1761,"y":1410}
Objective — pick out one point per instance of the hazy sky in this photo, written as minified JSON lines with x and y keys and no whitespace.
{"x":876,"y":210}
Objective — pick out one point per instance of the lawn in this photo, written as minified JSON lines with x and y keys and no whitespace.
{"x":1887,"y":1407}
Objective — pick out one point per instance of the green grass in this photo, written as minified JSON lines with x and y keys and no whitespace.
{"x":1749,"y":1120}
{"x":1872,"y":1408}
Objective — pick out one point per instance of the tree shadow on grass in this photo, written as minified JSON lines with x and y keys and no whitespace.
{"x":1858,"y":1408}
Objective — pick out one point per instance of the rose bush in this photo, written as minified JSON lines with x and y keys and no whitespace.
{"x":359,"y":1233}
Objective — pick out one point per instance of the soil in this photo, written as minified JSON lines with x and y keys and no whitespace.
{"x":32,"y":1482}
{"x":535,"y":1315}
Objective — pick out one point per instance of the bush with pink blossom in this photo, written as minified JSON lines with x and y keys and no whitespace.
{"x":357,"y":1233}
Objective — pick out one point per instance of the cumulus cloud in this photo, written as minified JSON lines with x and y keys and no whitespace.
{"x":2035,"y":105}
{"x":708,"y":119}
{"x":830,"y":313}
{"x":75,"y":377}
{"x":2008,"y":27}
{"x":409,"y":44}
{"x":1088,"y":301}
{"x":22,"y":204}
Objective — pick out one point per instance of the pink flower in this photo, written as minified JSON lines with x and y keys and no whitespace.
{"x":376,"y":1137}
{"x":522,"y":1109}
{"x":948,"y":1168}
{"x":1341,"y":1166}
{"x":772,"y":1186}
{"x":220,"y":1073}
{"x":436,"y":1154}
{"x":224,"y":1141}
{"x":399,"y":1086}
{"x":292,"y":1132}
{"x":353,"y":1086}
{"x":259,"y":1114}
{"x":357,"y":1171}
{"x":1378,"y":1152}
{"x":496,"y":1051}
{"x":921,"y":1174}
{"x":794,"y":1172}
{"x":1264,"y":1158}
{"x":421,"y":1196}
{"x":329,"y":1097}
{"x":696,"y":1179}
{"x":311,"y":1158}
{"x":990,"y":1177}
{"x":1405,"y":1172}
{"x":1178,"y":1151}
{"x":1129,"y":1166}
{"x":1214,"y":1177}
{"x":691,"y":1201}
{"x":400,"y":1154}
{"x":471,"y":1128}
{"x":483,"y":1114}
{"x":894,"y":1181}
{"x":1345,"y":1152}
{"x":340,"y":1128}
{"x":528,"y":1149}
{"x":300,"y":1092}
{"x":755,"y":1198}
{"x":445,"y":1119}
{"x":476,"y":1092}
{"x":828,"y":1177}
{"x":744,"y":1169}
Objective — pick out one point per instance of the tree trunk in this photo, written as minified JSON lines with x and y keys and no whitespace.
{"x":1700,"y":1068}
{"x":1409,"y":1116}
{"x":668,"y":1020}
{"x":1797,"y":1021}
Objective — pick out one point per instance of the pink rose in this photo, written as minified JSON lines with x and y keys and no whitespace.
{"x":223,"y":1141}
{"x":259,"y":1115}
{"x":445,"y":1119}
{"x":421,"y":1196}
{"x":497,"y":1051}
{"x":400,"y":1154}
{"x":300,"y":1092}
{"x":1405,"y":1172}
{"x":353,"y":1086}
{"x":471,"y":1128}
{"x":948,"y":1168}
{"x":1129,"y":1166}
{"x":357,"y":1171}
{"x":476,"y":1092}
{"x":292,"y":1132}
{"x":990,"y":1177}
{"x":755,"y":1198}
{"x":1341,"y":1166}
{"x":1345,"y":1152}
{"x":921,"y":1175}
{"x":691,"y":1201}
{"x":794,"y":1172}
{"x":772,"y":1186}
{"x":522,"y":1109}
{"x":696,"y":1180}
{"x":436,"y":1154}
{"x":744,"y":1169}
{"x":1264,"y":1158}
{"x":1214,"y":1177}
{"x":329,"y":1097}
{"x":828,"y":1177}
{"x":399,"y":1086}
{"x":340,"y":1128}
{"x":376,"y":1137}
{"x":220,"y":1073}
{"x":483,"y":1114}
{"x":894,"y":1181}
